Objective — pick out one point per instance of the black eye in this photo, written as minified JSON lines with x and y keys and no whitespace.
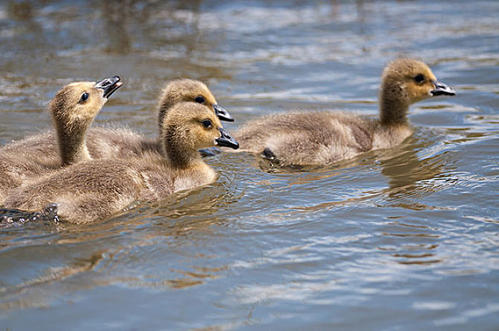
{"x":207,"y":124}
{"x":199,"y":99}
{"x":84,"y":97}
{"x":419,"y":78}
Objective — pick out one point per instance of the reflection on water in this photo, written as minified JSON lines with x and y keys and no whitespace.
{"x":413,"y":228}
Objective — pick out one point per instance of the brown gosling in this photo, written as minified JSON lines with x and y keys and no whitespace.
{"x":73,"y":110}
{"x":98,"y":189}
{"x":124,"y":143}
{"x":323,"y":138}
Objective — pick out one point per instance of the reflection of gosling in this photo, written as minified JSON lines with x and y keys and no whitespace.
{"x":73,"y":109}
{"x":94,"y":190}
{"x":322,"y":138}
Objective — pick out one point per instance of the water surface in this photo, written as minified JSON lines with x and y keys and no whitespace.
{"x":397,"y":239}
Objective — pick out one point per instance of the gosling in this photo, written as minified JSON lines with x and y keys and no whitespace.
{"x":73,"y":110}
{"x":98,"y":189}
{"x":323,"y":138}
{"x":124,"y":143}
{"x":110,"y":143}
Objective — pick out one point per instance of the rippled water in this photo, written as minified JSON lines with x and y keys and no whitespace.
{"x":398,"y":239}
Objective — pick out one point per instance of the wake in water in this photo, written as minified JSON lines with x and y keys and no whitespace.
{"x":16,"y":217}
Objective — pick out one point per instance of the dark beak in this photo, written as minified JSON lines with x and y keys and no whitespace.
{"x":109,"y":85}
{"x":226,"y":140}
{"x":442,"y":89}
{"x":222,"y":113}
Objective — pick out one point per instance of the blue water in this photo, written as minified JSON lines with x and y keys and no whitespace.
{"x":399,"y":239}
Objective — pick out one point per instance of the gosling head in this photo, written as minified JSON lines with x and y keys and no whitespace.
{"x":78,"y":103}
{"x":404,"y":82}
{"x":73,"y":109}
{"x":188,"y":90}
{"x":190,"y":126}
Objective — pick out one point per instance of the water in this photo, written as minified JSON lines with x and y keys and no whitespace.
{"x":399,"y":239}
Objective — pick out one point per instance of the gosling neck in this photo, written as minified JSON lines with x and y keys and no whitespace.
{"x":177,"y":149}
{"x":393,"y":105}
{"x":72,"y":144}
{"x":163,"y":110}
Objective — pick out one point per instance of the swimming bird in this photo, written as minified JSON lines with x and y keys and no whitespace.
{"x":97,"y":189}
{"x":73,"y":110}
{"x":124,"y":143}
{"x":105,"y":142}
{"x":323,"y":138}
{"x":32,"y":156}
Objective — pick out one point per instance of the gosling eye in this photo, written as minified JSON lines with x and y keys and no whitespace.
{"x":199,"y":99}
{"x":207,"y":124}
{"x":419,"y":78}
{"x":84,"y":97}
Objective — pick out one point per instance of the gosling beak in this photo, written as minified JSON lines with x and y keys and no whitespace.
{"x":226,"y":140}
{"x":109,"y":85}
{"x":222,"y":113}
{"x":442,"y":89}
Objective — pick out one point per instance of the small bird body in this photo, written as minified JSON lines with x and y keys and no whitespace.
{"x":94,"y":190}
{"x":323,"y":138}
{"x":34,"y":156}
{"x":73,"y":110}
